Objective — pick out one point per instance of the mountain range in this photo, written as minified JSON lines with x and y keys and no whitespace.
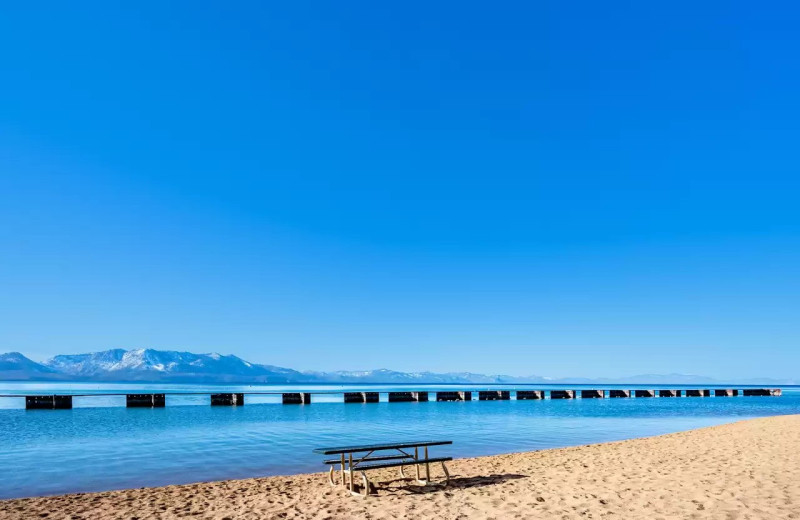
{"x":166,"y":366}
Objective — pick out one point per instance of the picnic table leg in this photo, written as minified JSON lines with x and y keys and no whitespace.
{"x":427,"y":466}
{"x":366,"y":484}
{"x":352,"y":487}
{"x":416,"y":458}
{"x":344,"y":482}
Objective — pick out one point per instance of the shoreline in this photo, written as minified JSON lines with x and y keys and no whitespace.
{"x":746,"y":469}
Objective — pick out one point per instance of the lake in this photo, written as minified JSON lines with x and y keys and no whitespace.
{"x":101,"y":445}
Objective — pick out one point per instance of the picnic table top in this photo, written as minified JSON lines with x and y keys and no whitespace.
{"x":374,"y":447}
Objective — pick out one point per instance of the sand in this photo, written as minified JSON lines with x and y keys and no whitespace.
{"x":749,"y":469}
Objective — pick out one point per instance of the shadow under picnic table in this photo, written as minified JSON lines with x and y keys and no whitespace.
{"x":455,"y":482}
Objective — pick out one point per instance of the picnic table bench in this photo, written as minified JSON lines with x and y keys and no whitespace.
{"x":362,"y":458}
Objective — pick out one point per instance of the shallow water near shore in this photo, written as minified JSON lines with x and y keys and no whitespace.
{"x":101,"y":445}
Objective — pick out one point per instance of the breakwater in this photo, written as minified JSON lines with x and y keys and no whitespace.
{"x":159,"y":400}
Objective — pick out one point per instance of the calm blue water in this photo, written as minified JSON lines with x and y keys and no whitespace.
{"x":101,"y":445}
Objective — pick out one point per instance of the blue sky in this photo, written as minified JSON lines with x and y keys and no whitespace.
{"x":563,"y":189}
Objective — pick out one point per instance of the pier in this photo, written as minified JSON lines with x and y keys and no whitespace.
{"x":158,"y":400}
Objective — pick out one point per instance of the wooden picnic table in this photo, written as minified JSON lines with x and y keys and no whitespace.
{"x":364,"y":457}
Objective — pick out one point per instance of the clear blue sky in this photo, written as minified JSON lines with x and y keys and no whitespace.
{"x":557,"y":188}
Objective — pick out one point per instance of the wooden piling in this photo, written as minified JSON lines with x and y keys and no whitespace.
{"x":454,"y":396}
{"x":762,"y":392}
{"x":361,"y":397}
{"x":296,"y":398}
{"x":408,"y":397}
{"x":527,"y":395}
{"x":145,"y":400}
{"x":494,"y":395}
{"x":227,"y":399}
{"x":48,"y":402}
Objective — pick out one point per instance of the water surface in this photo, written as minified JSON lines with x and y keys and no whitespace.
{"x":101,"y":445}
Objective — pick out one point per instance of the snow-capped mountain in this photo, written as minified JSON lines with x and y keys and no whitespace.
{"x":150,"y":365}
{"x":16,"y":367}
{"x":168,"y":366}
{"x":159,"y":365}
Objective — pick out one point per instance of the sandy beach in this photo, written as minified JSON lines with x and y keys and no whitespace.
{"x":745,"y":470}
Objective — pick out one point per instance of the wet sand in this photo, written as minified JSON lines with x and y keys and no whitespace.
{"x":744,"y":470}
